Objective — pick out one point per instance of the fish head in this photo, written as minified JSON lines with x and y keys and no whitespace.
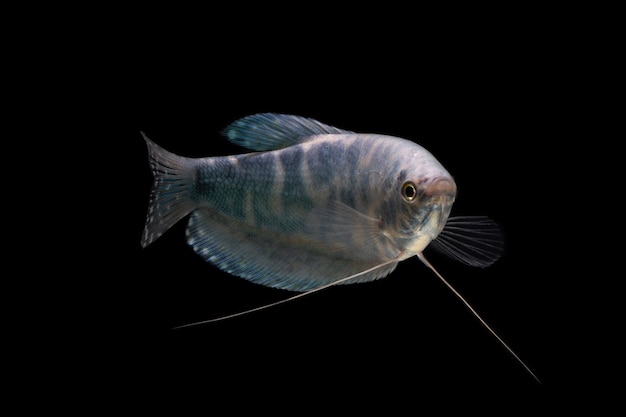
{"x":423,"y":200}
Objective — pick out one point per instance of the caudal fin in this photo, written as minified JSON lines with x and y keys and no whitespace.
{"x":170,"y":196}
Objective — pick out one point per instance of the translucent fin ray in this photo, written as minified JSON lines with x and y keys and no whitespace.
{"x":472,"y":240}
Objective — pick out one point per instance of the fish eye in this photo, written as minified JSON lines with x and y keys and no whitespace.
{"x":409,"y":191}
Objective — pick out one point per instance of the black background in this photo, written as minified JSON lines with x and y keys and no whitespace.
{"x":477,"y":121}
{"x":495,"y":102}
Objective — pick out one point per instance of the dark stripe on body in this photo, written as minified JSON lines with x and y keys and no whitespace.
{"x":258,"y":173}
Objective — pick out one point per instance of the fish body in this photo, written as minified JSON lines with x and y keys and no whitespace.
{"x":312,"y":205}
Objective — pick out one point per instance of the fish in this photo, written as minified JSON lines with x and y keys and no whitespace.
{"x":312,"y":206}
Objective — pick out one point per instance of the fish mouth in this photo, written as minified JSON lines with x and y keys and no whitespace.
{"x":440,"y":187}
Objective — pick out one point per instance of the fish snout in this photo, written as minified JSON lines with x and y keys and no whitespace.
{"x":440,"y":187}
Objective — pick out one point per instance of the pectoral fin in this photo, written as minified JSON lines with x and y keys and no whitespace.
{"x":473,"y":240}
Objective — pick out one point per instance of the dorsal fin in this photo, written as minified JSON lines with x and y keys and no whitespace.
{"x":271,"y":131}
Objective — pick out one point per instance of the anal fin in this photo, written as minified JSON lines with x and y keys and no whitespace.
{"x":269,"y":258}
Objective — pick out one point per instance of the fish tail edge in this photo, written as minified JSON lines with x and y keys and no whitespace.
{"x":170,"y":195}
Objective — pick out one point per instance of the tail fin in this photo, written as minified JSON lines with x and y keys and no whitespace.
{"x":170,"y":196}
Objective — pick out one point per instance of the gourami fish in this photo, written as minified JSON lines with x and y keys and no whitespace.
{"x":315,"y":206}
